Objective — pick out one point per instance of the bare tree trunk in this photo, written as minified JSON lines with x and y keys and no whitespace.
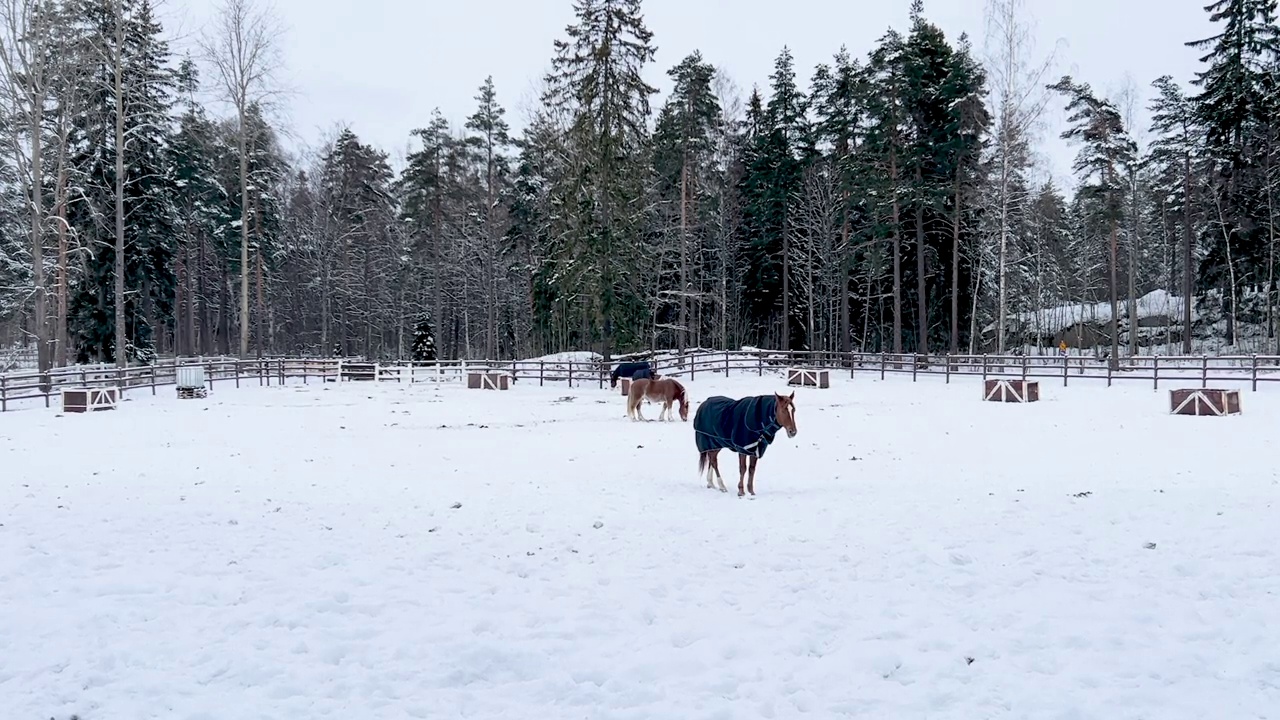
{"x":955,"y":266}
{"x":37,"y":240}
{"x":844,"y":280}
{"x":922,"y":301}
{"x":684,"y":254}
{"x":61,"y":335}
{"x":1134,"y":241}
{"x":1188,"y":277}
{"x":120,"y":340}
{"x":1114,"y":360}
{"x":897,"y":255}
{"x":786,"y":276}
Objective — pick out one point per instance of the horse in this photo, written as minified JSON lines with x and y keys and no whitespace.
{"x":664,"y":390}
{"x":745,"y":426}
{"x":633,"y":370}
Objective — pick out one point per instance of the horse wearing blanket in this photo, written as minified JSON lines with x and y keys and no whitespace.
{"x":745,"y":426}
{"x":633,"y":370}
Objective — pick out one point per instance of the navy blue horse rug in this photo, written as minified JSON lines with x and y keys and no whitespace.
{"x":633,"y":370}
{"x":745,"y":426}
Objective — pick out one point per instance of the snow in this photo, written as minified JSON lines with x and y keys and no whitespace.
{"x":1157,"y":303}
{"x":402,"y":551}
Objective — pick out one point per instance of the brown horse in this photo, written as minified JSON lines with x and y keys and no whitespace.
{"x":745,"y":426}
{"x":663,"y":390}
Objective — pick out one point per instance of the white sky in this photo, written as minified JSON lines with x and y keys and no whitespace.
{"x":381,"y":66}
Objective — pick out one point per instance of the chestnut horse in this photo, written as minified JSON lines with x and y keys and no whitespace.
{"x":745,"y":426}
{"x":663,"y":390}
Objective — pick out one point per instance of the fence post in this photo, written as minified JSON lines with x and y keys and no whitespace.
{"x":542,"y":372}
{"x":1255,"y":372}
{"x":570,"y":363}
{"x":120,"y":379}
{"x":726,"y":363}
{"x":760,"y":361}
{"x":1066,"y":364}
{"x":984,"y":367}
{"x":1155,"y":372}
{"x":1204,"y":371}
{"x":948,"y":370}
{"x":153,"y":377}
{"x":915,"y":363}
{"x":4,"y":404}
{"x":237,"y":364}
{"x":883,"y":360}
{"x":1024,"y":370}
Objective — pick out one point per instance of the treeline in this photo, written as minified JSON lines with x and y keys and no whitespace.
{"x":888,"y":203}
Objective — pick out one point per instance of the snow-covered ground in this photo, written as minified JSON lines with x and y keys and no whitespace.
{"x":426,"y":551}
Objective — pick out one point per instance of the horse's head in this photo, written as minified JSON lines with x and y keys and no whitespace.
{"x":683,"y":398}
{"x":785,"y":413}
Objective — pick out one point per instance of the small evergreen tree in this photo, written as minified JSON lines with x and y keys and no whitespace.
{"x":424,"y":341}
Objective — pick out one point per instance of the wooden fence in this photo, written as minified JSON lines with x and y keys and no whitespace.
{"x":1202,"y":371}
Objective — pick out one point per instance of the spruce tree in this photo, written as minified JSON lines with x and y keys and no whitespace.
{"x":1234,"y":110}
{"x":597,"y":83}
{"x":683,"y":143}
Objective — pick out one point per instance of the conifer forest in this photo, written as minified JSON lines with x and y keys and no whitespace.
{"x":884,"y":201}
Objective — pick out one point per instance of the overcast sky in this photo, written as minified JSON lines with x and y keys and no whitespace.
{"x":381,"y":66}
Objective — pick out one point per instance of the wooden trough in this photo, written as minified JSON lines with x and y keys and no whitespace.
{"x":79,"y":400}
{"x":1204,"y":401}
{"x":488,"y":380}
{"x":1011,"y":391}
{"x":809,"y":377}
{"x":625,"y":384}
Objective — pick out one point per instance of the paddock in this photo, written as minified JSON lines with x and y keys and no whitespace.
{"x":421,"y":550}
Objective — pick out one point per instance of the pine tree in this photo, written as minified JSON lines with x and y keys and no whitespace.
{"x":968,"y":123}
{"x":886,"y":147}
{"x":491,"y":141}
{"x":1174,"y":153}
{"x":927,"y":68}
{"x":1106,"y":150}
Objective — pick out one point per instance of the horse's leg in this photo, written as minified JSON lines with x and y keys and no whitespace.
{"x":715,"y":463}
{"x":751,"y":478}
{"x":742,"y":472}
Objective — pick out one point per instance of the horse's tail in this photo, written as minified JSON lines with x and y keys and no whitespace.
{"x":702,"y":463}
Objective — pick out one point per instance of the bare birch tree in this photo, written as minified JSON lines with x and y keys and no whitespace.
{"x":244,"y":52}
{"x":24,"y":54}
{"x":1019,"y":98}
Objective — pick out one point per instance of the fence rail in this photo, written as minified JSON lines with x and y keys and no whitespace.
{"x":1254,"y":369}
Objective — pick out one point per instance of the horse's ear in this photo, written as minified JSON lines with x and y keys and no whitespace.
{"x":793,"y":396}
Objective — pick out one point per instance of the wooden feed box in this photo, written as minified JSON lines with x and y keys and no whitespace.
{"x":809,"y":377}
{"x":1011,"y":391}
{"x":488,"y":380}
{"x":1204,"y":401}
{"x":79,"y":400}
{"x":625,"y":384}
